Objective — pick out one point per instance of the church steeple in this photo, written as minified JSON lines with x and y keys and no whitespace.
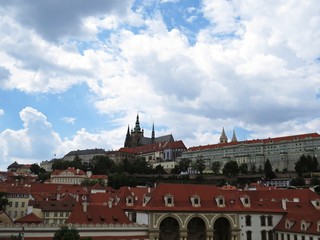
{"x":152,"y":134}
{"x":234,"y":137}
{"x":223,"y":137}
{"x":137,"y":127}
{"x":128,"y":140}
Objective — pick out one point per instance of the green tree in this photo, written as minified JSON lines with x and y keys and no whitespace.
{"x":76,"y":163}
{"x":35,"y":168}
{"x":243,"y":168}
{"x":200,"y":165}
{"x":215,"y":167}
{"x":231,"y":168}
{"x":253,"y":169}
{"x":60,"y":164}
{"x":306,"y":164}
{"x":65,"y":233}
{"x":159,"y":170}
{"x":297,"y":182}
{"x":184,"y":164}
{"x":268,"y":172}
{"x":101,"y":164}
{"x":3,"y":200}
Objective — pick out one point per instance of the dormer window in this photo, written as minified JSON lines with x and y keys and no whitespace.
{"x":245,"y":201}
{"x":168,"y":200}
{"x":303,"y":225}
{"x":289,"y":224}
{"x":318,"y":226}
{"x":129,"y":201}
{"x":220,"y":201}
{"x":195,"y":200}
{"x":146,"y":200}
{"x":316,"y":203}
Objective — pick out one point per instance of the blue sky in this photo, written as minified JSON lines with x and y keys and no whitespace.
{"x":75,"y":73}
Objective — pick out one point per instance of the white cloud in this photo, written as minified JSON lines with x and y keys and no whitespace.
{"x":70,"y":120}
{"x":37,"y":141}
{"x":1,"y":112}
{"x":253,"y":67}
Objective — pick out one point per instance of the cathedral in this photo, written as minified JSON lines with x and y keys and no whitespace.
{"x":136,"y":137}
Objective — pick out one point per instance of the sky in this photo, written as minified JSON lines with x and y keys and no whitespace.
{"x":74,"y":74}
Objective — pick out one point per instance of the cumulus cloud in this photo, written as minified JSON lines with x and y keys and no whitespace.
{"x":54,"y":20}
{"x":37,"y":141}
{"x":248,"y":68}
{"x":70,"y":120}
{"x":1,"y":112}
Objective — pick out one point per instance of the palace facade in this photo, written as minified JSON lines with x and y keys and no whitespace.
{"x":282,"y":152}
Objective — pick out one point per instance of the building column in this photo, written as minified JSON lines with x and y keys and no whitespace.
{"x":209,"y":234}
{"x":183,"y":234}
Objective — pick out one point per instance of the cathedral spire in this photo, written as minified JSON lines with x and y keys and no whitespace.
{"x":234,"y":137}
{"x":223,"y":137}
{"x":137,"y":127}
{"x":152,"y":134}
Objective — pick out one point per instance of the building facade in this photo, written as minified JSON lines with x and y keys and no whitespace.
{"x":282,"y":152}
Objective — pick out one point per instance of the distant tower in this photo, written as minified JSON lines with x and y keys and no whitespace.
{"x":128,"y":141}
{"x":234,"y":137}
{"x":152,"y":134}
{"x":223,"y":137}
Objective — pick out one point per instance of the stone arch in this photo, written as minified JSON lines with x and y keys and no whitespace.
{"x":169,"y":229}
{"x":222,"y":229}
{"x":231,"y":220}
{"x":203,"y":217}
{"x":196,"y":229}
{"x":176,"y":217}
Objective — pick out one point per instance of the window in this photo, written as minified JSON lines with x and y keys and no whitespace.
{"x":248,"y":220}
{"x":288,"y":236}
{"x":303,"y":238}
{"x":22,"y":204}
{"x":270,"y":221}
{"x":16,"y":204}
{"x":295,"y":237}
{"x":249,"y":235}
{"x":263,"y":220}
{"x":263,"y":235}
{"x":168,"y":200}
{"x":61,"y":214}
{"x":55,"y":214}
{"x":270,"y":235}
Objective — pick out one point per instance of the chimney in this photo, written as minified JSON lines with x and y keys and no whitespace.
{"x":85,"y":206}
{"x":284,"y":204}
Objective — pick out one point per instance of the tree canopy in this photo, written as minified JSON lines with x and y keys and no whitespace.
{"x":306,"y":164}
{"x":66,"y":233}
{"x":268,"y":172}
{"x":230,"y":168}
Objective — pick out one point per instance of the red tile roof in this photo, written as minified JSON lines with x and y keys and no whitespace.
{"x":30,"y":218}
{"x":310,"y":218}
{"x":154,"y":147}
{"x":260,"y":201}
{"x":261,"y":141}
{"x":98,"y":214}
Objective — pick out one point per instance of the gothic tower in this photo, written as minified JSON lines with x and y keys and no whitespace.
{"x":223,"y":137}
{"x":234,"y":137}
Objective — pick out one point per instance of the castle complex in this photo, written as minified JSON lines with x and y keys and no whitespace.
{"x":136,"y":137}
{"x":282,"y":152}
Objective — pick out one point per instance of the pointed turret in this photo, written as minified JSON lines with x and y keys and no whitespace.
{"x":223,"y":137}
{"x":137,"y":127}
{"x":128,"y":141}
{"x":152,"y":134}
{"x":234,"y":137}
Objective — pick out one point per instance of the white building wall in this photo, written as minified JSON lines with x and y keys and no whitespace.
{"x":142,"y":218}
{"x":256,"y":227}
